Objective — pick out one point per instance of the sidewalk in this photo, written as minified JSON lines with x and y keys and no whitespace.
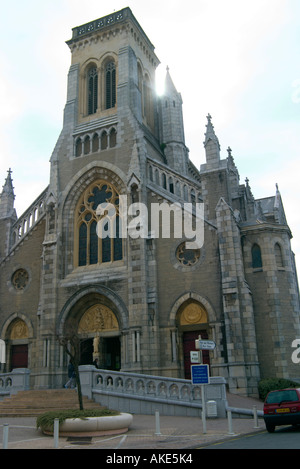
{"x":173,"y":432}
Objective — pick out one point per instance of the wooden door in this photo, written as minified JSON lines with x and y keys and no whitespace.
{"x":19,"y":356}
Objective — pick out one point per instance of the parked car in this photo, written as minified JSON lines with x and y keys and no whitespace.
{"x":282,"y":407}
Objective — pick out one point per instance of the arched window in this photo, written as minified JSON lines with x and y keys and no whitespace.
{"x":140,"y":86}
{"x":148,"y":102}
{"x":93,"y":243}
{"x":112,"y":138}
{"x":87,"y":145}
{"x":99,"y":234}
{"x":78,"y":147}
{"x":193,"y":197}
{"x":147,"y":99}
{"x":140,"y":78}
{"x":82,"y":244}
{"x":278,"y":255}
{"x":151,"y":173}
{"x":134,"y":194}
{"x":95,"y":143}
{"x":104,"y":140}
{"x":92,"y":81}
{"x":157,"y":177}
{"x":256,"y":257}
{"x":110,"y":85}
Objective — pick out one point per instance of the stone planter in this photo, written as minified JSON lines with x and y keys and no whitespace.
{"x":94,"y":426}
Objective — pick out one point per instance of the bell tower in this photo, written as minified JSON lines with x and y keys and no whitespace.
{"x":110,"y":96}
{"x":115,"y":63}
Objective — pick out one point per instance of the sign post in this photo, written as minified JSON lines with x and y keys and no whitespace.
{"x":200,"y":375}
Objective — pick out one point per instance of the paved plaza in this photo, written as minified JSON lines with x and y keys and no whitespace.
{"x":146,"y":432}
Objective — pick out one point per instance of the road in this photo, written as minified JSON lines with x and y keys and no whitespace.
{"x":282,"y":438}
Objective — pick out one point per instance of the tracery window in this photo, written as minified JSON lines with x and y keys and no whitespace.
{"x":110,"y":85}
{"x":92,"y":80}
{"x":20,"y":279}
{"x":94,"y":245}
{"x":187,"y":257}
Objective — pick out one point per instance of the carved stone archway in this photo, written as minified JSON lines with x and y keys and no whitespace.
{"x":192,"y":321}
{"x":98,"y":318}
{"x":18,"y":335}
{"x":193,"y":313}
{"x":100,"y":333}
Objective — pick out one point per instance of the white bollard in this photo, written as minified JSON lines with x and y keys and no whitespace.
{"x":229,"y":417}
{"x":203,"y":413}
{"x":255,"y":417}
{"x":56,"y":432}
{"x":5,"y":435}
{"x":157,"y":423}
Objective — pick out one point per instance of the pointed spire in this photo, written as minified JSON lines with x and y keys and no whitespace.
{"x":233,"y":171}
{"x":7,"y":197}
{"x":230,"y":160}
{"x":212,"y":146}
{"x":277,"y":198}
{"x":8,"y":187}
{"x":210,"y":133}
{"x":248,"y":191}
{"x":172,"y":135}
{"x":170,"y":89}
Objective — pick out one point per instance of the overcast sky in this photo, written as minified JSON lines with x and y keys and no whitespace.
{"x":235,"y":59}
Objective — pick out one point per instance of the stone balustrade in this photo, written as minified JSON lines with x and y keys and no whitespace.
{"x":160,"y":176}
{"x":140,"y":393}
{"x":26,"y":222}
{"x":16,"y":380}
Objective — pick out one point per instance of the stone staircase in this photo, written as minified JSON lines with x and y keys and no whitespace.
{"x":34,"y":402}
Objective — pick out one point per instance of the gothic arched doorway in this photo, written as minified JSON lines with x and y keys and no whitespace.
{"x":18,"y":344}
{"x":99,"y":331}
{"x":192,"y":320}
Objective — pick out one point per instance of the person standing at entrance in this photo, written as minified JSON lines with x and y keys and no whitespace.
{"x":95,"y":363}
{"x":71,"y":376}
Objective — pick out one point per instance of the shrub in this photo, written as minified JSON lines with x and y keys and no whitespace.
{"x":271,"y":384}
{"x":46,"y":420}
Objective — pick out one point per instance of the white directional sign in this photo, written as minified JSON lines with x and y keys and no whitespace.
{"x":195,"y":357}
{"x":204,"y":344}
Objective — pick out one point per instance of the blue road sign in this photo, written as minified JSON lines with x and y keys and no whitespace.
{"x":200,"y":374}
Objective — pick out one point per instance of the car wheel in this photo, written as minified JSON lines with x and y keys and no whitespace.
{"x":270,"y":428}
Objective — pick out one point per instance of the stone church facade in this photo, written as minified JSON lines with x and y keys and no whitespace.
{"x":139,"y":302}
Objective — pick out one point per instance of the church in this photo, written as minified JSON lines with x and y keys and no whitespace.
{"x":138,"y":298}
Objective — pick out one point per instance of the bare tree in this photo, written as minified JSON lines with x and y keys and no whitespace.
{"x":71,"y":344}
